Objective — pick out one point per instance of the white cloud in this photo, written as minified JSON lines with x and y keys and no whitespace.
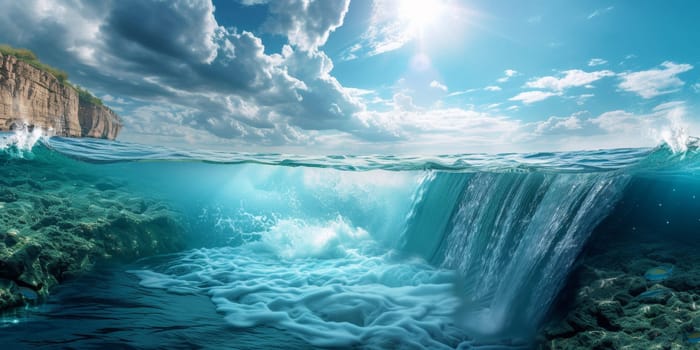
{"x":111,"y":99}
{"x":492,"y":88}
{"x":666,"y":123}
{"x":403,"y":102}
{"x":426,"y":130}
{"x":393,"y":24}
{"x":581,"y":99}
{"x":306,"y":24}
{"x":386,"y":32}
{"x":596,"y":62}
{"x":558,"y":124}
{"x":351,"y":53}
{"x":666,"y":106}
{"x":508,"y":73}
{"x":437,"y":85}
{"x":253,"y":2}
{"x":437,"y":130}
{"x":212,"y":79}
{"x":571,"y":78}
{"x":600,"y":12}
{"x":529,"y":97}
{"x":618,"y":121}
{"x":359,"y":92}
{"x":655,"y":82}
{"x":696,"y":87}
{"x":462,"y":92}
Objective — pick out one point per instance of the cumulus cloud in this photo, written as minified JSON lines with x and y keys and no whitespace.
{"x":436,"y":129}
{"x":655,"y":82}
{"x":306,"y":23}
{"x":666,"y":123}
{"x":212,"y":79}
{"x":492,"y":88}
{"x":437,"y":85}
{"x":403,"y":102}
{"x":571,"y":78}
{"x":559,"y":124}
{"x":529,"y":97}
{"x":190,"y":34}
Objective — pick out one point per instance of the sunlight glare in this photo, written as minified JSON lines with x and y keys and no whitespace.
{"x":420,"y":13}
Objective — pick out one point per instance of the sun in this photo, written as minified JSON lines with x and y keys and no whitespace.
{"x":420,"y":14}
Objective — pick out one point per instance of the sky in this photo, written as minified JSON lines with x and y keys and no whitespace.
{"x":378,"y":76}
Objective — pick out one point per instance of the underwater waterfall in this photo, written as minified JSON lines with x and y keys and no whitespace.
{"x":512,"y":237}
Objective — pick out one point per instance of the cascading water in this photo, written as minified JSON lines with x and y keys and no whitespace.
{"x":512,"y":237}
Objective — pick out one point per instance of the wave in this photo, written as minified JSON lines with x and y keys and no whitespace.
{"x":673,"y":154}
{"x":20,"y":143}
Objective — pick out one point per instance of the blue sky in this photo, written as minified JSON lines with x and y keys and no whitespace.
{"x":378,"y":76}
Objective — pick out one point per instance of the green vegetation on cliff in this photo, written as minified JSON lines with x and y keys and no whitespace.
{"x":29,"y":57}
{"x":85,"y":95}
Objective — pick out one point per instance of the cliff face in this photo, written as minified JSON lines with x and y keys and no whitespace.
{"x":98,"y":121}
{"x":35,"y":97}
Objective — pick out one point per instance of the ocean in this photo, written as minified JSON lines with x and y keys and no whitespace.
{"x":467,"y":251}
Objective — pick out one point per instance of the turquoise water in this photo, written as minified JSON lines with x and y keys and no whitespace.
{"x":440,"y":252}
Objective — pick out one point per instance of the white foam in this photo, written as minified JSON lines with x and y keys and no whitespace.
{"x":677,"y":139}
{"x":19,"y":144}
{"x":338,"y":301}
{"x":295,"y":238}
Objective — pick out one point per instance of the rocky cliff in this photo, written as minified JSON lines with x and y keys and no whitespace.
{"x":35,"y":97}
{"x":97,"y":121}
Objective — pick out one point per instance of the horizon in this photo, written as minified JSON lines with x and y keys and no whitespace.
{"x":377,"y":77}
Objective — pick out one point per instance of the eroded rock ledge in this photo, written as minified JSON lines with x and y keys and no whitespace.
{"x":55,"y":224}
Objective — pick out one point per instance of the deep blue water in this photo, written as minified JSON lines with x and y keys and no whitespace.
{"x":448,"y":251}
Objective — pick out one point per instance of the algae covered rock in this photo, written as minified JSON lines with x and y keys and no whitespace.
{"x":629,"y":297}
{"x":6,"y":195}
{"x":608,"y":315}
{"x":52,"y":232}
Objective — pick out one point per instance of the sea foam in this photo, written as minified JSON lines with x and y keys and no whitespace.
{"x":323,"y":282}
{"x":19,"y":144}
